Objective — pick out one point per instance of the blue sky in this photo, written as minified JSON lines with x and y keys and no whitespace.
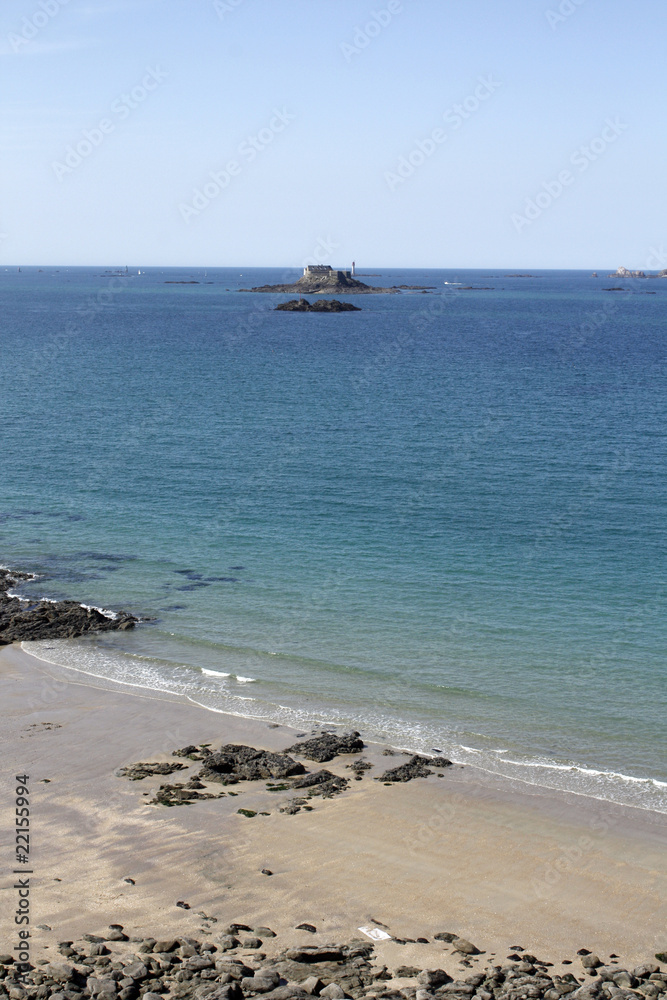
{"x":418,"y":133}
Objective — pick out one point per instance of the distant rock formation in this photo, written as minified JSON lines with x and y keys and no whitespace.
{"x":324,"y":305}
{"x":316,"y":280}
{"x":624,"y":273}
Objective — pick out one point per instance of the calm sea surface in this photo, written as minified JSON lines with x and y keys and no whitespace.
{"x":441,"y":519}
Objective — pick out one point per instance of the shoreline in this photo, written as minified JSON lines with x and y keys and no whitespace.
{"x":601,"y":780}
{"x":461,"y":754}
{"x":490,"y":861}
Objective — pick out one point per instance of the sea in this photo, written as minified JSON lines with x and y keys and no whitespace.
{"x":439,"y":520}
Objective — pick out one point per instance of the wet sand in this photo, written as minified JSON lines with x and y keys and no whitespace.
{"x":498,"y":862}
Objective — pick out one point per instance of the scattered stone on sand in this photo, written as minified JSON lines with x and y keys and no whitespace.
{"x":24,"y":620}
{"x":326,"y":746}
{"x":185,"y":968}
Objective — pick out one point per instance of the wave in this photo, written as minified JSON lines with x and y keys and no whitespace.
{"x":200,"y":685}
{"x":113,"y":615}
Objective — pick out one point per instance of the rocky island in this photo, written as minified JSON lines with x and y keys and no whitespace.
{"x":319,"y":278}
{"x":323,"y":306}
{"x":22,"y":619}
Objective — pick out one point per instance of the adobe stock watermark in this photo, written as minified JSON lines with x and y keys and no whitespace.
{"x":363,"y":36}
{"x":247,"y":151}
{"x":33,"y":24}
{"x":581,"y":158}
{"x":454,"y":117}
{"x":222,"y":7}
{"x":121,"y":107}
{"x":565,"y":9}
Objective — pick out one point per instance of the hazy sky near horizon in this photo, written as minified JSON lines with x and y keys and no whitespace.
{"x":418,"y":133}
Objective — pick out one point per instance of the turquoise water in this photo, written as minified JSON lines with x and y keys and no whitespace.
{"x":440,"y":519}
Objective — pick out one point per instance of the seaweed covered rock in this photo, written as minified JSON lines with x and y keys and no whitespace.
{"x":326,"y":746}
{"x":416,"y":767}
{"x":233,"y":763}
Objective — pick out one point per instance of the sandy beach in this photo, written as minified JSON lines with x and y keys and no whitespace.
{"x":501,"y":864}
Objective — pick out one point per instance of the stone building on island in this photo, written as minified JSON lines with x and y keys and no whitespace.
{"x":325,"y":271}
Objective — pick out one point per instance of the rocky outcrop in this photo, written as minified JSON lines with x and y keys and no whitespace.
{"x":327,"y":746}
{"x":416,"y":767}
{"x":234,"y":763}
{"x":322,"y":306}
{"x":623,"y":272}
{"x":22,"y":620}
{"x":328,"y":282}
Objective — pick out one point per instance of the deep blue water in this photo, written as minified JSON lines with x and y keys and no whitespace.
{"x":441,"y":519}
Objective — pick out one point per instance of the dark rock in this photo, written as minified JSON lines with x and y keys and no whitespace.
{"x":307,"y":927}
{"x":444,"y":936}
{"x":589,"y":961}
{"x":227,"y":942}
{"x":325,"y":953}
{"x":625,"y":980}
{"x":285,"y":993}
{"x":166,"y":944}
{"x":416,"y":767}
{"x":266,"y":871}
{"x":326,"y":746}
{"x":359,"y":767}
{"x":322,"y":305}
{"x":333,"y":992}
{"x":258,"y":983}
{"x":322,"y":783}
{"x":312,"y":985}
{"x":645,"y":970}
{"x":233,"y":763}
{"x":191,"y":752}
{"x":179,"y":795}
{"x":137,"y":772}
{"x":21,"y":621}
{"x":183,"y":906}
{"x":433,"y":978}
